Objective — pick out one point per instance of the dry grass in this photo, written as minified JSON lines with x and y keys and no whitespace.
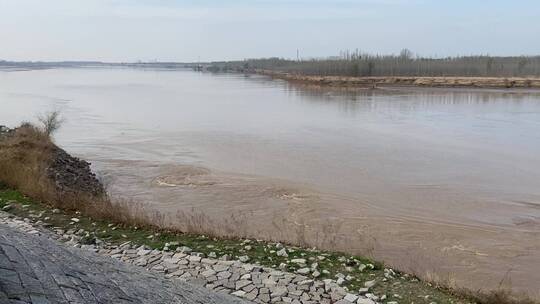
{"x":498,"y":297}
{"x":429,"y":271}
{"x":23,"y":160}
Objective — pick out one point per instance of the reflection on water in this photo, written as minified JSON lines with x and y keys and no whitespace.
{"x":448,"y":175}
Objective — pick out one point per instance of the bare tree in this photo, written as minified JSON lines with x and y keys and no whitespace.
{"x":404,"y":64}
{"x":406,"y":54}
{"x":51,"y":121}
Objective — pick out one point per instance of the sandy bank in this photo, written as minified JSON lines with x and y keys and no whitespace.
{"x":371,"y":82}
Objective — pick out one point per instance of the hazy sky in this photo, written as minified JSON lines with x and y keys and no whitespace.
{"x":183,"y":30}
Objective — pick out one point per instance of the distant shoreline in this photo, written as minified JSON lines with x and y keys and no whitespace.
{"x":415,"y":81}
{"x":360,"y":82}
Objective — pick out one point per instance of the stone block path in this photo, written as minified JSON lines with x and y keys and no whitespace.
{"x":35,"y":269}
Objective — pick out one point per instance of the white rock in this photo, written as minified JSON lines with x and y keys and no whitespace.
{"x":269,"y":282}
{"x":208,"y":273}
{"x":239,"y":293}
{"x":220,"y":267}
{"x":242,"y":283}
{"x":305,"y":282}
{"x":370,"y":284}
{"x":363,"y":290}
{"x":351,"y":297}
{"x":278,"y":291}
{"x":371,"y":296}
{"x":298,"y":261}
{"x":282,"y":253}
{"x":184,"y":249}
{"x":142,"y":251}
{"x":195,"y":259}
{"x":171,"y":260}
{"x":365,"y":301}
{"x":224,"y":274}
{"x":208,"y":261}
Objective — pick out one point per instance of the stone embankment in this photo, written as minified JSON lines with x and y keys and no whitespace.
{"x":373,"y":82}
{"x":71,"y":174}
{"x":221,"y":275}
{"x":36,"y":269}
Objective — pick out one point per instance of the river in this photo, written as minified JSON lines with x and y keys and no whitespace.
{"x":442,"y":182}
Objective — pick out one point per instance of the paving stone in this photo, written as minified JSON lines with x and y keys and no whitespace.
{"x":42,"y":271}
{"x":251,"y":282}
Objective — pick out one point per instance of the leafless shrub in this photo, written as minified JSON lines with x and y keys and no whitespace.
{"x":51,"y":121}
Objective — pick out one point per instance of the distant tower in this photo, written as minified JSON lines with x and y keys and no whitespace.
{"x":297,"y":55}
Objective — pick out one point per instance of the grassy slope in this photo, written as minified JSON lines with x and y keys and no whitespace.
{"x":403,"y":288}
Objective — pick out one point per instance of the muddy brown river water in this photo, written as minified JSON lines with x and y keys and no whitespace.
{"x":442,"y":182}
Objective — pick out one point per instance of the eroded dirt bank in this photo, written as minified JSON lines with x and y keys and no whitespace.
{"x":371,"y":82}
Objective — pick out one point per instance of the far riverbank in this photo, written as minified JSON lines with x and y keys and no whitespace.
{"x":385,"y":81}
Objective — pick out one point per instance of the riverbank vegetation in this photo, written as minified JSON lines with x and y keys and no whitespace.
{"x":397,"y":287}
{"x":358,"y":64}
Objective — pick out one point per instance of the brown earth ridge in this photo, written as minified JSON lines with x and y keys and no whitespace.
{"x":420,"y":81}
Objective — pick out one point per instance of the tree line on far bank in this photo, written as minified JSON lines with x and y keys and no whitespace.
{"x":405,"y":64}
